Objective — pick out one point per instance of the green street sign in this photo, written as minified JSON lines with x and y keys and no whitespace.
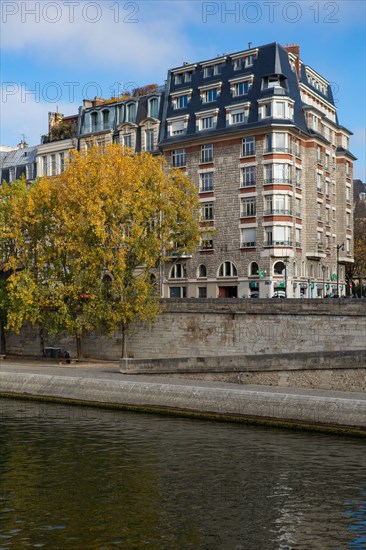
{"x":261,"y":273}
{"x":253,"y":284}
{"x":334,"y":276}
{"x":282,"y":284}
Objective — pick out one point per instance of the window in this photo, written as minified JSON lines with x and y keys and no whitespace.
{"x":239,"y":115}
{"x":213,"y":70}
{"x":210,"y":95}
{"x":207,"y":211}
{"x":183,"y":77}
{"x":228,"y":269}
{"x":53,"y":165}
{"x":62,"y":162}
{"x":276,"y":204}
{"x":149,"y":140}
{"x":206,"y":244}
{"x":127,"y":140}
{"x":279,"y":111}
{"x":298,"y":207}
{"x":277,"y":236}
{"x":318,"y":182}
{"x":29,"y":171}
{"x":94,"y":121}
{"x":202,"y":292}
{"x":153,"y":107}
{"x":298,"y":237}
{"x":105,"y":115}
{"x":11,"y":174}
{"x":178,"y":292}
{"x":207,"y":122}
{"x":131,"y":112}
{"x":348,"y":219}
{"x":298,"y":177}
{"x":319,"y":210}
{"x":253,"y":269}
{"x":243,"y":62}
{"x":248,"y":238}
{"x":207,"y":152}
{"x":202,"y":271}
{"x":319,"y":154}
{"x":44,"y":166}
{"x":207,"y":181}
{"x":178,"y":271}
{"x":248,"y":176}
{"x":248,"y":207}
{"x":348,"y":189}
{"x":241,"y":88}
{"x":248,"y":146}
{"x":177,"y":127}
{"x":180,"y":102}
{"x":179,"y":158}
{"x":277,"y":173}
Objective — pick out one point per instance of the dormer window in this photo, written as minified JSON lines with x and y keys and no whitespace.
{"x":181,"y":78}
{"x":153,"y":107}
{"x":243,"y":62}
{"x":207,"y":120}
{"x":274,"y":81}
{"x":213,"y":70}
{"x":181,"y":99}
{"x":237,"y":114}
{"x":131,"y":112}
{"x":210,"y":93}
{"x":94,"y":121}
{"x":177,"y":125}
{"x":241,"y":86}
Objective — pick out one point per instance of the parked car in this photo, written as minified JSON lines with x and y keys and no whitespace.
{"x":279,"y":294}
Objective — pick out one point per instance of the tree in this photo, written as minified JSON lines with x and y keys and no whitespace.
{"x":91,"y":238}
{"x":357,"y":270}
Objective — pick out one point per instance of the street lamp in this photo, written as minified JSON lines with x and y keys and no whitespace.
{"x":339,"y":247}
{"x":323,"y":270}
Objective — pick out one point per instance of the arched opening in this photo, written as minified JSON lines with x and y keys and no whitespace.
{"x":253,"y":269}
{"x":202,"y":271}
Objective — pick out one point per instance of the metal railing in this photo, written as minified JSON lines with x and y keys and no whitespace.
{"x":273,"y":212}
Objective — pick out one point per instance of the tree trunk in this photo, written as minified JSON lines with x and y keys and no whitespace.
{"x":2,"y":339}
{"x":78,"y":346}
{"x":41,"y":341}
{"x":124,"y":343}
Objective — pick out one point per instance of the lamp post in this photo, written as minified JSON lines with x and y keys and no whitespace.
{"x":323,"y":270}
{"x":339,"y":247}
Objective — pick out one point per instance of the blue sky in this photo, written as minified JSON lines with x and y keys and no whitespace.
{"x":54,"y":53}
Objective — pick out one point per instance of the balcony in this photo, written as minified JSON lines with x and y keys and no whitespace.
{"x":276,"y":212}
{"x":285,"y":180}
{"x":278,"y":243}
{"x":286,"y":150}
{"x":248,"y":244}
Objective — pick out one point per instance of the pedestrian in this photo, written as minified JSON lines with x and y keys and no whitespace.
{"x":67,"y":357}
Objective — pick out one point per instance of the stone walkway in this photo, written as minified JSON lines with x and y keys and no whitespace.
{"x":101,"y":382}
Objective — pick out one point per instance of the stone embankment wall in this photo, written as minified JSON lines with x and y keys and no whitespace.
{"x":264,"y":337}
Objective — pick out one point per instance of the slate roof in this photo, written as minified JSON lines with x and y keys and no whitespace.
{"x":272,"y":59}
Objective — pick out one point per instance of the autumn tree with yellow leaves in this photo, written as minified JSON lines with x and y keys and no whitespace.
{"x":88,"y":241}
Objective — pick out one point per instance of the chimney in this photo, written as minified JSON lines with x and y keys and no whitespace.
{"x":295,"y":49}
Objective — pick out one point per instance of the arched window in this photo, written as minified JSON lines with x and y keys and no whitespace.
{"x":278,"y":268}
{"x":253,"y":268}
{"x":153,"y":107}
{"x":202,"y":271}
{"x":94,"y":121}
{"x":131,"y":112}
{"x":178,"y":271}
{"x":228,"y":269}
{"x":105,"y":115}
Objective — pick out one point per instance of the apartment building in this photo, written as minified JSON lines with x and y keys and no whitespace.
{"x":258,"y":133}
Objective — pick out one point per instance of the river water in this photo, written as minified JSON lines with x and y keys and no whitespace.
{"x":82,"y":478}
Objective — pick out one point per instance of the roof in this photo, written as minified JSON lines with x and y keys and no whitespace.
{"x":26,"y":155}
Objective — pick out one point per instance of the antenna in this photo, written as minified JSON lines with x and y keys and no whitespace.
{"x":249,"y":45}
